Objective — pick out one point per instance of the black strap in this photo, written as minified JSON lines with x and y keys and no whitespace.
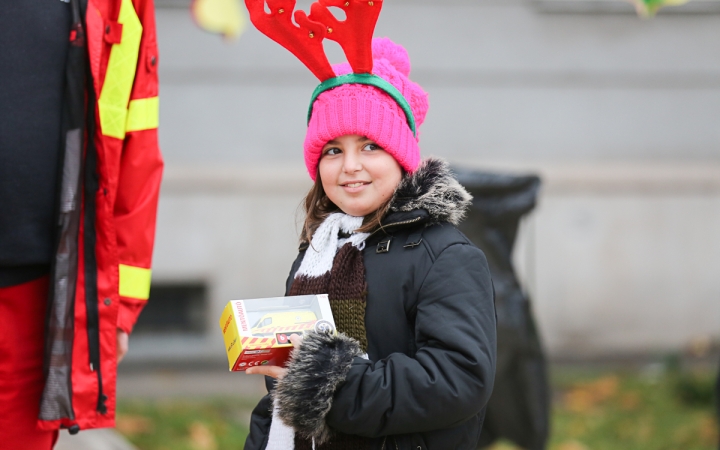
{"x":414,"y":239}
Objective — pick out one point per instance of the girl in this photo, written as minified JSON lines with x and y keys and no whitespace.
{"x":413,"y":364}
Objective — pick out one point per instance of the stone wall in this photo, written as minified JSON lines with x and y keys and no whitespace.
{"x":620,"y":117}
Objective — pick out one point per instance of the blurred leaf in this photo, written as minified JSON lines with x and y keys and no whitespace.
{"x":503,"y":445}
{"x":586,"y":396}
{"x":572,"y":445}
{"x":219,"y":16}
{"x":630,"y":401}
{"x":201,"y":437}
{"x":131,"y":425}
{"x":709,"y":431}
{"x":648,"y":8}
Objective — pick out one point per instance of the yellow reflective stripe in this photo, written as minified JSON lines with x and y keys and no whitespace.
{"x":143,"y":114}
{"x":115,"y":94}
{"x":135,"y":282}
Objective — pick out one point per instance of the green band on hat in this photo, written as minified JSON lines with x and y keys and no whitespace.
{"x":369,"y":80}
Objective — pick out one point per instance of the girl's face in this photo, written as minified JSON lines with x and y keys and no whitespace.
{"x":357,"y":174}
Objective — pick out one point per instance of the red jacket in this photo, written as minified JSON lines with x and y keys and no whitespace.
{"x":93,"y":293}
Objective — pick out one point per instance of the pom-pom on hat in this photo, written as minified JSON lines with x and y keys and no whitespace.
{"x":369,"y":111}
{"x":371,"y":96}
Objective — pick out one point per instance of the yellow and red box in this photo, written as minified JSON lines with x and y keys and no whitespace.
{"x":257,"y":331}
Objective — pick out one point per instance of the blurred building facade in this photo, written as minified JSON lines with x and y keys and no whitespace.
{"x":620,"y":116}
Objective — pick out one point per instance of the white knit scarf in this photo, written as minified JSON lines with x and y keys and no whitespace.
{"x":318,"y":259}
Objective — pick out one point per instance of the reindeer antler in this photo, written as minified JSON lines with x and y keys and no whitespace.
{"x":354,"y":34}
{"x":303,"y":41}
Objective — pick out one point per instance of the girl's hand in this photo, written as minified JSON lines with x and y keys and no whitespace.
{"x":275,"y":371}
{"x":269,"y":371}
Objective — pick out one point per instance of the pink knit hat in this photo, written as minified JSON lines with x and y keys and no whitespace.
{"x":369,"y":111}
{"x":371,"y":96}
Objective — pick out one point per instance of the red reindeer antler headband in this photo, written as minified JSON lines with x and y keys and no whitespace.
{"x":304,"y":40}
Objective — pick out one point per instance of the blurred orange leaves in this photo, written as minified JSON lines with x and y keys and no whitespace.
{"x":133,"y":425}
{"x":586,"y":396}
{"x":201,"y":437}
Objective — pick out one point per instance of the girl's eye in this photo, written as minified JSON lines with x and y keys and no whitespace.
{"x":332,"y":151}
{"x":372,"y":146}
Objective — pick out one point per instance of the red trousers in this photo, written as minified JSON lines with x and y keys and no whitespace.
{"x":22,"y":336}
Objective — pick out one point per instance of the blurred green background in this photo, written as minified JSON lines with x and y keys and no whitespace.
{"x":665,"y":405}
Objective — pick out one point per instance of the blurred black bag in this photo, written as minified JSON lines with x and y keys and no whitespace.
{"x":519,"y":408}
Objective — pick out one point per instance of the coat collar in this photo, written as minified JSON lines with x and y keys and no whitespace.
{"x":429,"y":195}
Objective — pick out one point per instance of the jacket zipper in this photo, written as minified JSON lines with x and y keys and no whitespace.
{"x":91,"y":178}
{"x":394,"y":442}
{"x":382,"y":228}
{"x":406,"y":222}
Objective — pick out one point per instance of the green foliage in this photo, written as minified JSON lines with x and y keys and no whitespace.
{"x":691,"y":387}
{"x":184,"y":425}
{"x":695,"y":389}
{"x":661,"y":409}
{"x":657,"y":410}
{"x":630,"y":412}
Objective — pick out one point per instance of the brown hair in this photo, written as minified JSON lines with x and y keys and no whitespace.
{"x":318,"y":206}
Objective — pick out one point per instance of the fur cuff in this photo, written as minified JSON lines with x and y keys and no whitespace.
{"x":316,"y":370}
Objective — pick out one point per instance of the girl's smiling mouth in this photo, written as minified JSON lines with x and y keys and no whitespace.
{"x":354,"y":184}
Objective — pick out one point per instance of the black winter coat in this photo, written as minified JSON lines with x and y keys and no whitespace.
{"x":430,"y":323}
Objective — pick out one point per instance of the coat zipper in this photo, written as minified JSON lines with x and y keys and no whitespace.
{"x":394,"y":441}
{"x":382,"y":228}
{"x":91,"y":178}
{"x":406,"y":222}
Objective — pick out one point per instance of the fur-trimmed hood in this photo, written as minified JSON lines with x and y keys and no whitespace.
{"x":432,"y":187}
